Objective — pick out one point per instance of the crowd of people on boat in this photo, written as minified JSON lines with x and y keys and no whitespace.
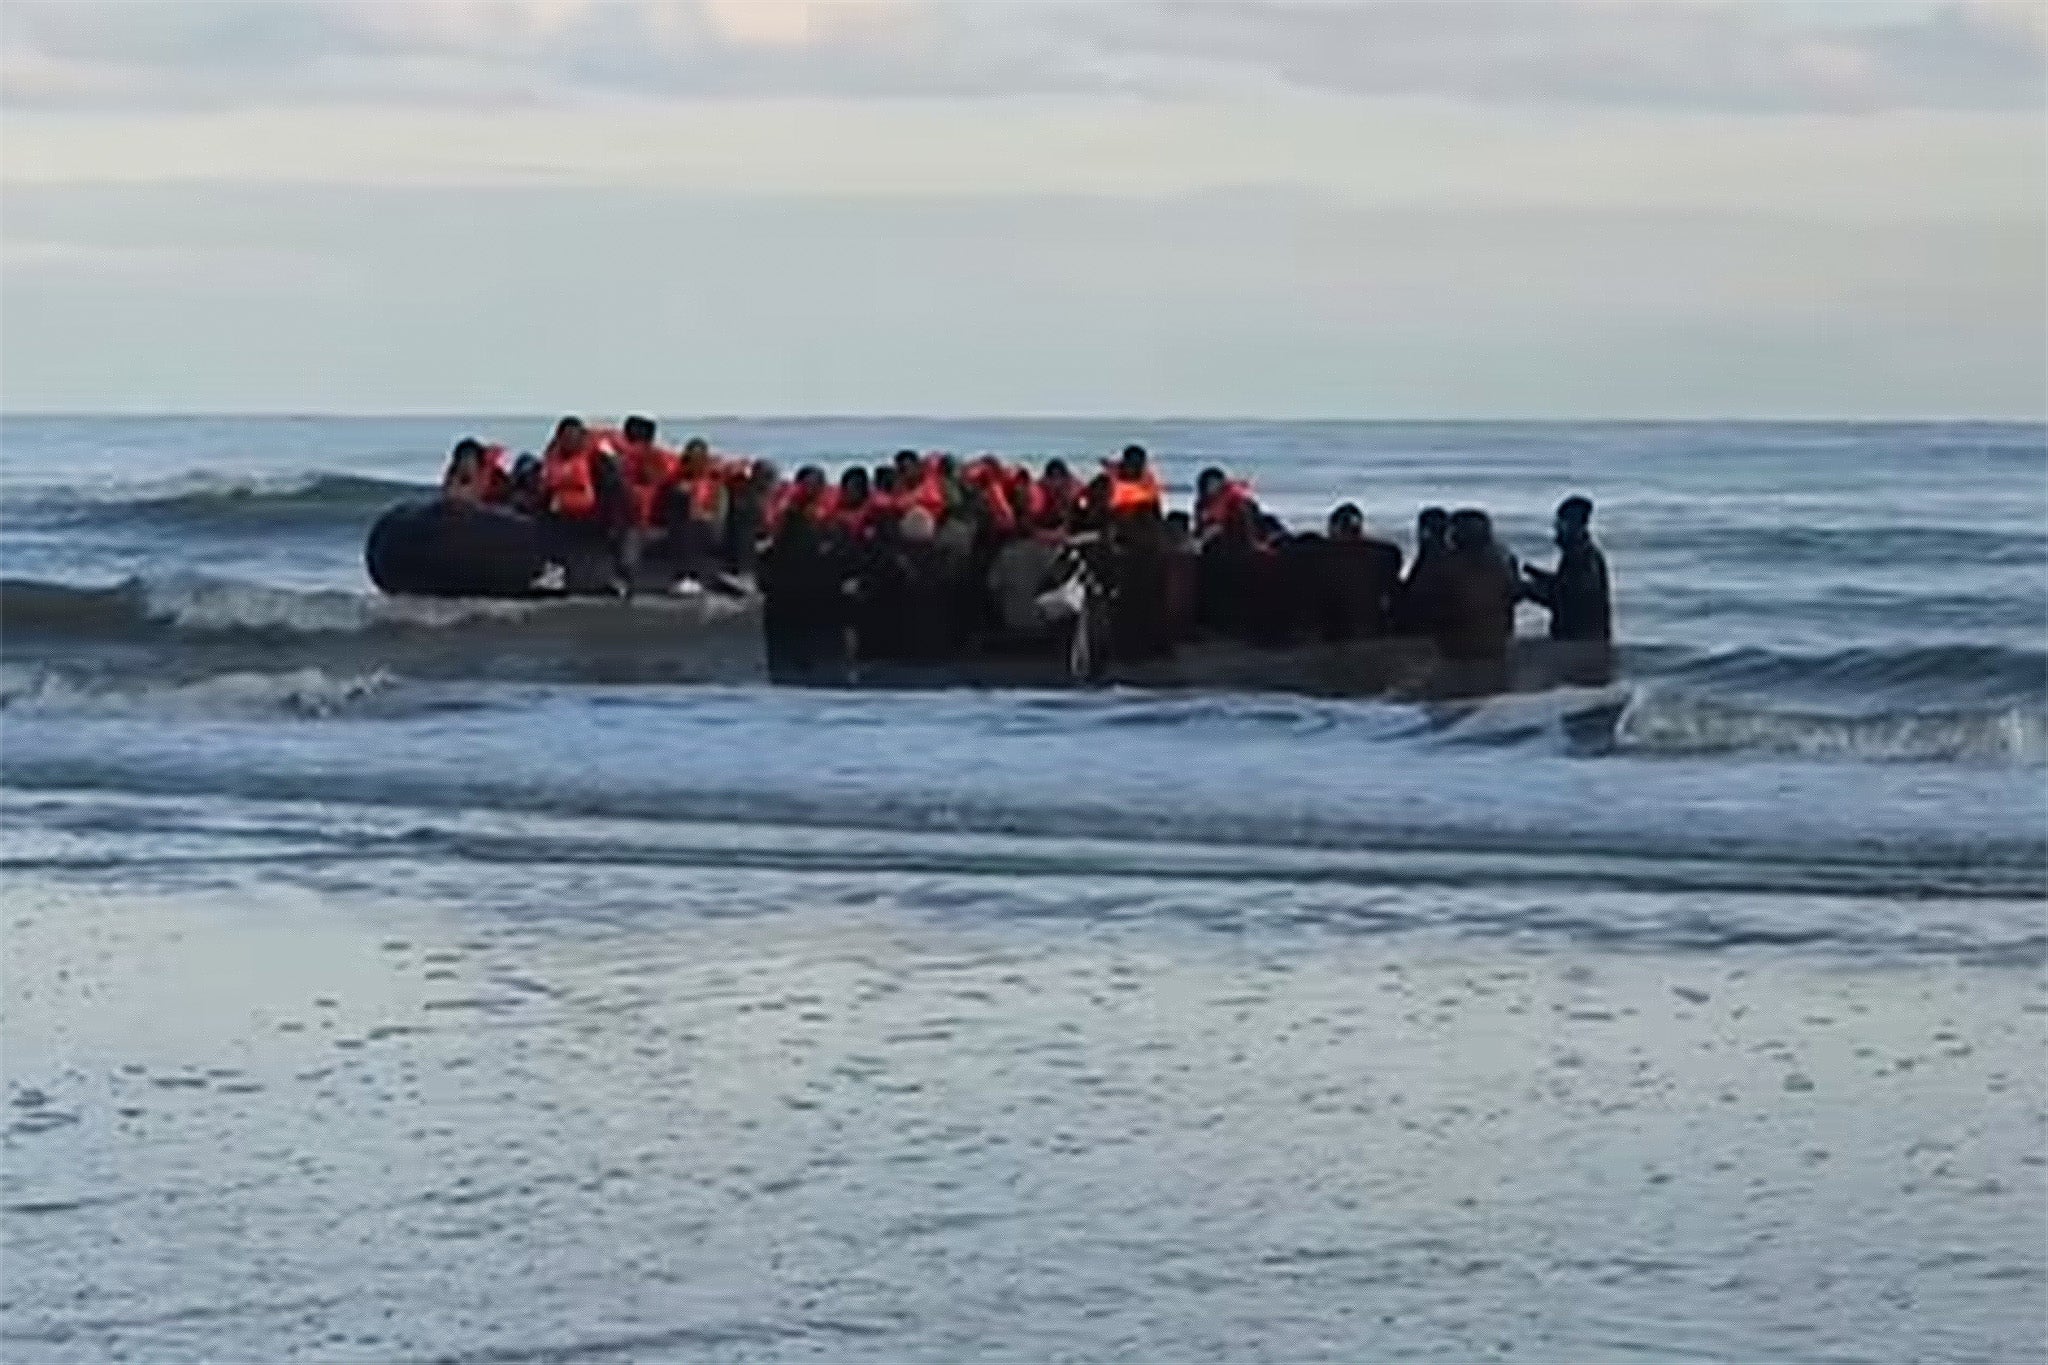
{"x":928,"y":558}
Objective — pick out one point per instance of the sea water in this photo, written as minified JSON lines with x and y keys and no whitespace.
{"x":508,"y":981}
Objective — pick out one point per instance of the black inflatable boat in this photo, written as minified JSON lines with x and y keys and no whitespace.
{"x":438,"y":547}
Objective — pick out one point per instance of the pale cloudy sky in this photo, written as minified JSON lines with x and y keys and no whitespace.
{"x":1265,"y":207}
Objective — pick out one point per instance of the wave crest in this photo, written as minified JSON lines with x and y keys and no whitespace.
{"x":1665,"y":722}
{"x":311,"y":693}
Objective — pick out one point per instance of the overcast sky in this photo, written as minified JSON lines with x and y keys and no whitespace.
{"x":1578,"y":208}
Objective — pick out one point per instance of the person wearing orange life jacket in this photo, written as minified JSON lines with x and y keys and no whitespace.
{"x":1027,"y":499}
{"x":568,"y":471}
{"x":700,"y":487}
{"x":854,"y":511}
{"x":1133,"y":487}
{"x":807,"y":496}
{"x":986,"y":477}
{"x":696,"y":507}
{"x":585,"y":491}
{"x":922,"y":483}
{"x":648,"y":468}
{"x":476,"y":473}
{"x":1218,"y":500}
{"x":1059,"y":490}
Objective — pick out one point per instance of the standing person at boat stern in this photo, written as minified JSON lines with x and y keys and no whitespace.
{"x":1577,"y":595}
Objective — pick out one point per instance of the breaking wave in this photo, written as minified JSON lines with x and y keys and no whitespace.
{"x":302,"y":692}
{"x":198,"y":605}
{"x":1664,"y":722}
{"x":1943,"y":702}
{"x":204,"y":501}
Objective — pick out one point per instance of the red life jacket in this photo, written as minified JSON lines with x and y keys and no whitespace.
{"x":648,"y":469}
{"x":1218,"y":510}
{"x":793,"y":498}
{"x":569,"y":479}
{"x":929,"y":492}
{"x":987,"y":477}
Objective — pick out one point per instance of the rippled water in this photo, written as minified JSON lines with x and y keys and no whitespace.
{"x":458,"y":981}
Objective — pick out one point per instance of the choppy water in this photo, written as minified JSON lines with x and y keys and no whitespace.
{"x":734,"y":1022}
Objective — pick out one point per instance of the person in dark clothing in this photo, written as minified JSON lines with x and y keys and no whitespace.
{"x":1575,"y":592}
{"x":1183,"y":577}
{"x":1229,"y":576}
{"x":526,"y":494}
{"x":1477,"y":610}
{"x":1058,"y":489}
{"x":1577,"y":595}
{"x":852,"y":516}
{"x":1140,"y":624}
{"x":746,"y":517}
{"x":1359,"y":578}
{"x":906,"y":596}
{"x":801,"y":615}
{"x":1419,"y":602}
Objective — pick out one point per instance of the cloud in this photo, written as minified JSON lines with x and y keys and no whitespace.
{"x":1718,"y":54}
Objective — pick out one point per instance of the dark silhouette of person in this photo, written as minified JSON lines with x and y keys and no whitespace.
{"x":1578,"y":597}
{"x":1420,"y":601}
{"x":1183,"y":577}
{"x":1141,"y":625}
{"x":1477,"y":611}
{"x":1358,"y":579}
{"x":802,"y":619}
{"x":1575,"y":592}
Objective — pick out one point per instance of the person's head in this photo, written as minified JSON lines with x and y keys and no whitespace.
{"x":1347,"y":522}
{"x":1180,"y":530}
{"x":853,"y":486}
{"x":1132,"y":464}
{"x":1574,"y":518}
{"x":908,"y":467}
{"x":810,"y":482}
{"x":1471,"y":529}
{"x":1432,"y":527}
{"x":885,"y":478}
{"x":1209,"y":483}
{"x":570,"y":433}
{"x":1057,"y":473}
{"x":468,"y":451}
{"x":917,"y":526}
{"x":638,"y":430}
{"x":761,"y":476}
{"x":949,"y":468}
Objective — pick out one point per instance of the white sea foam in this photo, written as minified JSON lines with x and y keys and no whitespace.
{"x":309,"y":692}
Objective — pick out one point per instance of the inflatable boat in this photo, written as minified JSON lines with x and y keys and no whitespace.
{"x":439,"y":547}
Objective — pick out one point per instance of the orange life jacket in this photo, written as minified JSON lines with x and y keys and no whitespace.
{"x":1132,"y":495}
{"x":987,"y":476}
{"x":648,"y":470}
{"x":569,"y":479}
